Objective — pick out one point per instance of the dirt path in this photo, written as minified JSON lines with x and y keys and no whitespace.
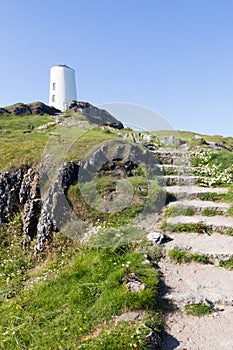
{"x":212,"y":332}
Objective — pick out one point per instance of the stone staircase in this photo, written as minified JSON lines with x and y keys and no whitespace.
{"x":192,"y":282}
{"x":200,"y":206}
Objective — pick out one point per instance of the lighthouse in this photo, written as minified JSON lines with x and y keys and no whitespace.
{"x":62,"y":87}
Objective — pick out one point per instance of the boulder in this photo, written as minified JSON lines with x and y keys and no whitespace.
{"x":133,"y":283}
{"x":157,"y":238}
{"x":128,"y":316}
{"x":153,"y":339}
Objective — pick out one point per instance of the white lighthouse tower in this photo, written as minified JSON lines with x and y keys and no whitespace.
{"x":62,"y":87}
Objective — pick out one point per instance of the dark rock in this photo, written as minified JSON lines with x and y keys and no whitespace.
{"x":117,"y":125}
{"x":150,"y":146}
{"x":31,"y":213}
{"x":4,"y":111}
{"x":56,"y":211}
{"x":31,"y":108}
{"x":157,"y":238}
{"x":9,"y":194}
{"x":19,"y":108}
{"x":45,"y":230}
{"x":30,"y":186}
{"x":95,"y":115}
{"x":41,"y":108}
{"x":153,"y":339}
{"x":29,"y":195}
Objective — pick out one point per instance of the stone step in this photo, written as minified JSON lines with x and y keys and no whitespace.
{"x":221,"y":224}
{"x":172,"y":160}
{"x":172,"y":157}
{"x":214,"y":246}
{"x":195,"y":283}
{"x":175,"y":180}
{"x":171,"y":151}
{"x":191,"y":192}
{"x":199,"y":206}
{"x":170,"y":169}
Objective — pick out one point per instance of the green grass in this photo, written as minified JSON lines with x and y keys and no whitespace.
{"x":227,"y":264}
{"x":230,"y":211}
{"x":88,"y":201}
{"x":211,"y":196}
{"x":199,"y":310}
{"x":185,"y":227}
{"x":20,"y":143}
{"x":184,"y":256}
{"x":69,"y":296}
{"x":223,"y":157}
{"x":211,"y":212}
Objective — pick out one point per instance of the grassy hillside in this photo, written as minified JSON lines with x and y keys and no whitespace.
{"x":69,"y":296}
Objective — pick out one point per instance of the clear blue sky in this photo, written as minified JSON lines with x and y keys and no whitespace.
{"x":174,"y":56}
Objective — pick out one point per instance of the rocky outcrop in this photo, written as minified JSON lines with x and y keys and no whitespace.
{"x":95,"y":115}
{"x":20,"y":190}
{"x":56,"y":211}
{"x":29,"y":196}
{"x":10,"y":183}
{"x":31,"y":108}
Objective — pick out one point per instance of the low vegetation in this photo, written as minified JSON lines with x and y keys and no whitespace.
{"x":213,"y":167}
{"x":176,"y":210}
{"x":20,"y":142}
{"x":184,"y":256}
{"x":211,"y":212}
{"x":200,"y":309}
{"x":227,"y":264}
{"x":70,"y":296}
{"x":186,"y":227}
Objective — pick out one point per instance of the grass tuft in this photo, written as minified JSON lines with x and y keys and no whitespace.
{"x":183,"y":256}
{"x":200,"y":309}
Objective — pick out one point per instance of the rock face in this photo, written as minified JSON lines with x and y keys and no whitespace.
{"x":29,"y":196}
{"x":31,"y":108}
{"x":95,"y":115}
{"x":55,"y":210}
{"x":10,"y":183}
{"x":41,"y":217}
